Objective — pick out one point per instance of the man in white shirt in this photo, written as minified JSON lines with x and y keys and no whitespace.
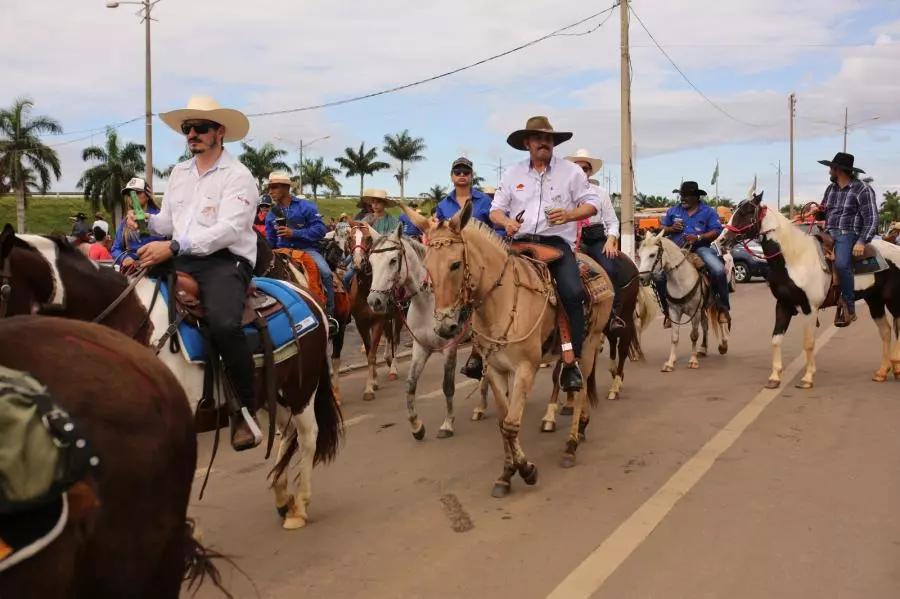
{"x":600,"y":234}
{"x":208,"y":210}
{"x":551,"y":196}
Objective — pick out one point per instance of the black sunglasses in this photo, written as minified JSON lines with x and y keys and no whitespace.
{"x":200,"y":128}
{"x":459,"y":172}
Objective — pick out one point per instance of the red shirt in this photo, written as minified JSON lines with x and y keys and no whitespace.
{"x":98,"y":251}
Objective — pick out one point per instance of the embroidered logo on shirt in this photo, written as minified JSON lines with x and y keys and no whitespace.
{"x":520,"y":186}
{"x":209,"y":211}
{"x":243,"y":200}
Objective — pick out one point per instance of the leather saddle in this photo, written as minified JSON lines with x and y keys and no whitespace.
{"x":187,"y":301}
{"x":827,"y":242}
{"x":536,"y":251}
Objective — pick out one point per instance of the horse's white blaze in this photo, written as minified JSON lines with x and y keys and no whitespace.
{"x":48,"y":250}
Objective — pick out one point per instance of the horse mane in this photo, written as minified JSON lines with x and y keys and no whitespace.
{"x":481,"y":230}
{"x":790,"y":238}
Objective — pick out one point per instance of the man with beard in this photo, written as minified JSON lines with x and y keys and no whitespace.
{"x":208,"y":211}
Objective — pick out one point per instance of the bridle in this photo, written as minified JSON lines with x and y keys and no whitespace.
{"x":752,"y":229}
{"x":397,"y":289}
{"x":364,"y":246}
{"x":5,"y":286}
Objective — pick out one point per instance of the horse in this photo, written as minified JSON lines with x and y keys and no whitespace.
{"x":371,"y":326}
{"x":48,"y":276}
{"x":511,"y":304}
{"x":799,"y":278}
{"x":122,"y":528}
{"x":398,"y":276}
{"x":690,"y":296}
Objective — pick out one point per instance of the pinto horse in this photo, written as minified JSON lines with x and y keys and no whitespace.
{"x":127,"y":532}
{"x":800,"y":281}
{"x":48,"y":276}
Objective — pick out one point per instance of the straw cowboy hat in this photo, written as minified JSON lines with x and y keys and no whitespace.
{"x":374,"y":194}
{"x":843,"y":162}
{"x":489,"y":190}
{"x":583,"y":155}
{"x":205,"y":108}
{"x":279,"y":178}
{"x":536,"y":124}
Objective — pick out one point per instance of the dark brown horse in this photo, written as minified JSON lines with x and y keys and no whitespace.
{"x":46,"y":275}
{"x":127,"y":533}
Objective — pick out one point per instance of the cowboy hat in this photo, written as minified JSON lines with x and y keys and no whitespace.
{"x":205,"y":108}
{"x":690,"y":189}
{"x":374,"y":194}
{"x":843,"y":162}
{"x":583,"y":155}
{"x":536,"y":124}
{"x":136,"y":184}
{"x":279,"y":178}
{"x":489,"y":190}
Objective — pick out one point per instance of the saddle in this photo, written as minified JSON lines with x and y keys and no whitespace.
{"x":305,"y":263}
{"x":536,"y":251}
{"x":827,"y":242}
{"x":188,"y":304}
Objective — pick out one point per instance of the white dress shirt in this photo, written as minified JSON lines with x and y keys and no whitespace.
{"x":562,"y":185}
{"x":211,"y":212}
{"x":606,"y":214}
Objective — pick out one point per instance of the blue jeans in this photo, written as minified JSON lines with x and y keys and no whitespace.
{"x":567,"y":276}
{"x":843,"y":264}
{"x":327,"y":280}
{"x":717,"y":275}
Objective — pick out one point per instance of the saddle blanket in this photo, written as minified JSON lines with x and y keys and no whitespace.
{"x":305,"y":320}
{"x":597,"y":284}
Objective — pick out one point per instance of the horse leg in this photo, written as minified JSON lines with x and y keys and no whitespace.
{"x":548,"y":423}
{"x":624,"y":342}
{"x":783,"y":315}
{"x":696,"y":321}
{"x":337,"y":344}
{"x":307,"y":431}
{"x":809,"y":346}
{"x":446,"y":431}
{"x":524,"y":379}
{"x":895,"y":355}
{"x":286,"y":426}
{"x":484,"y":387}
{"x":876,"y":309}
{"x":420,"y":357}
{"x":499,"y":384}
{"x":581,"y":417}
{"x":371,"y":358}
{"x":669,"y":366}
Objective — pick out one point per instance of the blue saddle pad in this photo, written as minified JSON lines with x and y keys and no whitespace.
{"x":304,"y":319}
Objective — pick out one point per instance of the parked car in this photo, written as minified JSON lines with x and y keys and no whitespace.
{"x":749,"y":264}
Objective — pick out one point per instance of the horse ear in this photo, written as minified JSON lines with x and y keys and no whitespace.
{"x":419,"y":221}
{"x":400,"y":231}
{"x":757,"y":198}
{"x":7,"y":240}
{"x":462,"y":218}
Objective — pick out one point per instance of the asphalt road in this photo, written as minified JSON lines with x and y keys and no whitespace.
{"x":696,"y":484}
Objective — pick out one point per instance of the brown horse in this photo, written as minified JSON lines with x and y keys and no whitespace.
{"x":371,"y":326}
{"x":46,"y":275}
{"x":127,"y":533}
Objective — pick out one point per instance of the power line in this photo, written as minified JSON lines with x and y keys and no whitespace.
{"x":689,"y":82}
{"x":95,"y":131}
{"x":391,"y":90}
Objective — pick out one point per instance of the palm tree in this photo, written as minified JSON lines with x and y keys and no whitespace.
{"x":890,"y":209}
{"x":103,"y":183}
{"x":405,"y":149}
{"x":363,"y":163}
{"x":21,"y":150}
{"x":167,"y":172}
{"x":263,"y":161}
{"x":435,"y":194}
{"x":477,"y":180}
{"x":316,"y":174}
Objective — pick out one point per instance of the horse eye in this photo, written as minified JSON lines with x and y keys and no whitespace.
{"x":393,"y":261}
{"x":455,"y":265}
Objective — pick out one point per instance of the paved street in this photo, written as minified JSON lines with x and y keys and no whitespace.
{"x":696,"y":484}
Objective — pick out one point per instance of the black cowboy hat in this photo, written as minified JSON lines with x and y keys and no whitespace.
{"x":690,"y":189}
{"x":842,"y":161}
{"x":536,"y":124}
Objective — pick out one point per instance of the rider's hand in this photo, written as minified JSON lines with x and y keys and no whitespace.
{"x":691,"y":238}
{"x":858,"y":249}
{"x":557,"y":216}
{"x":130,"y":222}
{"x":127,"y":262}
{"x":284,"y":231}
{"x":610,"y":249}
{"x":512,"y":227}
{"x":155,"y":252}
{"x":677,"y":226}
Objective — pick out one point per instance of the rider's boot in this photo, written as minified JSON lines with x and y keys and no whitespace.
{"x":333,"y":326}
{"x":615,"y":321}
{"x":571,"y":377}
{"x":245,"y":433}
{"x":474,"y":366}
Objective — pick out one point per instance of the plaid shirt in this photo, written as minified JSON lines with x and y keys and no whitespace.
{"x":852,"y":209}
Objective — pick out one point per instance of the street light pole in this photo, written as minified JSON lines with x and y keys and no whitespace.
{"x":846,"y":113}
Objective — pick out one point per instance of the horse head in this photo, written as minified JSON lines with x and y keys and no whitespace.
{"x":650,"y":258}
{"x":390,"y":270}
{"x":359,"y":242}
{"x":745,"y":223}
{"x":30,"y":281}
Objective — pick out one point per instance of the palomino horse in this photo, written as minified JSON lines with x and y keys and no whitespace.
{"x":398,"y":276}
{"x":511,"y":302}
{"x":46,"y":275}
{"x":127,"y":532}
{"x":690,"y":296}
{"x":799,"y":278}
{"x":371,"y":326}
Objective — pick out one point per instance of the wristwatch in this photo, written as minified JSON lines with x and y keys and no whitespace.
{"x":175,"y":247}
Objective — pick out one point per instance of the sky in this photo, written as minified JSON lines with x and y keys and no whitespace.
{"x":83,"y":63}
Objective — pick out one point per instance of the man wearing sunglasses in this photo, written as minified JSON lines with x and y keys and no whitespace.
{"x":208,"y":211}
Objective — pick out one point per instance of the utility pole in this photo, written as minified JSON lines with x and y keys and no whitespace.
{"x":148,"y":109}
{"x":793,"y":110}
{"x":846,"y":114}
{"x":627,"y":245}
{"x":779,"y":186}
{"x":300,"y":170}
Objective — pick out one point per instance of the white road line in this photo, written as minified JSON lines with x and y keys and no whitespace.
{"x":590,"y":575}
{"x":440,"y":392}
{"x":357,"y":419}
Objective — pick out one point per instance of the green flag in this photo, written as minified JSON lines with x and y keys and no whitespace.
{"x":715,"y":176}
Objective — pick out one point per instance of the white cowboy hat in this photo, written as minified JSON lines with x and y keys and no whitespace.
{"x":583,"y":155}
{"x":206,"y":108}
{"x":374,"y":194}
{"x":279,"y":178}
{"x":489,"y":190}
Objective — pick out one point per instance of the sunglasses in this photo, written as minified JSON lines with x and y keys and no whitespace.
{"x":461,"y":172}
{"x":586,"y":169}
{"x":200,"y":128}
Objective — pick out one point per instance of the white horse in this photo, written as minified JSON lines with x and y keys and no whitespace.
{"x":690,"y":298}
{"x":399,"y":274}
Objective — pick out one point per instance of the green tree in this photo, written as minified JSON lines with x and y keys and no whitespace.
{"x":26,"y":162}
{"x":102,"y":183}
{"x":890,"y":209}
{"x":435,"y":194}
{"x":716,"y":202}
{"x":167,"y":172}
{"x":643,"y":201}
{"x":477,"y":180}
{"x":362,"y":163}
{"x":404,"y":149}
{"x":263,"y":161}
{"x":316,"y":175}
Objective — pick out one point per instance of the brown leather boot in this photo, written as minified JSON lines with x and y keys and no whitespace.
{"x":843,"y":318}
{"x":242,"y":436}
{"x":667,"y":322}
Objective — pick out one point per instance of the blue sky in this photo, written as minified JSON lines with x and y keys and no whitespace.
{"x":746,"y":56}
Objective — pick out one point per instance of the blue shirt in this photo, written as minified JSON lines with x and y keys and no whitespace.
{"x":120,"y":252}
{"x":304,"y":220}
{"x":409,"y":228}
{"x":704,"y":220}
{"x":481,"y":209}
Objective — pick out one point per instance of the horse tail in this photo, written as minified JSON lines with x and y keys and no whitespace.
{"x":592,"y":396}
{"x":198,"y":562}
{"x":329,"y":418}
{"x":635,"y":351}
{"x":647,"y":308}
{"x":716,"y":326}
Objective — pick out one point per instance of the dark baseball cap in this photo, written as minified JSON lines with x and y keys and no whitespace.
{"x":462,"y":161}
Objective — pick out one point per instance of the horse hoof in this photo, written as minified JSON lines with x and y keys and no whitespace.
{"x":375,"y":386}
{"x":566,"y":411}
{"x":668,"y":368}
{"x":548,"y":426}
{"x":804,"y":385}
{"x":897,"y":375}
{"x":723,"y":349}
{"x":879,"y":376}
{"x":477,"y":415}
{"x":500,"y":490}
{"x":392,"y":376}
{"x":773,"y":384}
{"x":293,"y":523}
{"x":693,"y":365}
{"x":419,"y":434}
{"x":529,"y":475}
{"x":613,"y":396}
{"x":444,"y":434}
{"x":568,"y":460}
{"x":368,"y":396}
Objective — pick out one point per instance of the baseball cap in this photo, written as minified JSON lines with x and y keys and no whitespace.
{"x":463,"y":162}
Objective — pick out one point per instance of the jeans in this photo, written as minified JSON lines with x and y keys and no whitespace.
{"x":595,"y":251}
{"x":843,"y":264}
{"x":718,"y":277}
{"x":223,"y":279}
{"x":659,"y":284}
{"x":571,"y":291}
{"x":327,"y":280}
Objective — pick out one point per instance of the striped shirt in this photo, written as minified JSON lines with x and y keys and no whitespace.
{"x":853,"y":209}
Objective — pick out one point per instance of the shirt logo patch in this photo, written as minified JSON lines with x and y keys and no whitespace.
{"x":520,"y":186}
{"x":243,"y":200}
{"x":209,"y":211}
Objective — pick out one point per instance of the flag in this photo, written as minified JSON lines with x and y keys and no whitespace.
{"x":715,"y":176}
{"x":752,"y":191}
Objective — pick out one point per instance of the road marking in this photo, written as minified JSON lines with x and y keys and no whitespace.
{"x":440,"y":392}
{"x":357,"y":419}
{"x":597,"y":567}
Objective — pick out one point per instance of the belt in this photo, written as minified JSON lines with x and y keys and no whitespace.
{"x":536,"y":238}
